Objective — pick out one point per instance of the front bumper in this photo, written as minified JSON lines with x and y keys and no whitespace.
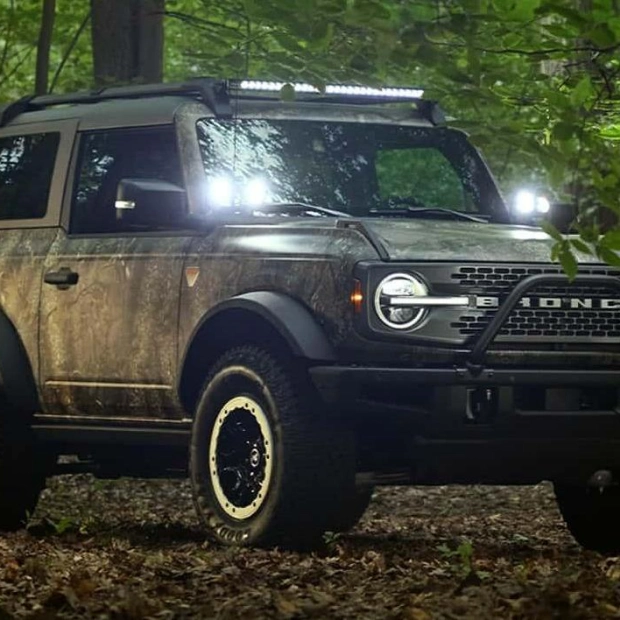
{"x":491,"y":425}
{"x":441,"y":391}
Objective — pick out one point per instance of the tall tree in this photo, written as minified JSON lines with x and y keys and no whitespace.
{"x":128,"y":40}
{"x":149,"y":22}
{"x":43,"y":46}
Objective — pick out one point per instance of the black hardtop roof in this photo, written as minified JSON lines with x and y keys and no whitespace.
{"x":160,"y":101}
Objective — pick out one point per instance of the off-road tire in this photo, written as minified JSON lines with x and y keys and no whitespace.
{"x":312,"y":472}
{"x":592,"y":516}
{"x":22,"y":476}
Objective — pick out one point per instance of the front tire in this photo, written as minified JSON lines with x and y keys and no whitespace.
{"x":266,"y":466}
{"x":592,"y":516}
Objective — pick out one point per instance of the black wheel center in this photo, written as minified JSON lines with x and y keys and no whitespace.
{"x":240,"y":458}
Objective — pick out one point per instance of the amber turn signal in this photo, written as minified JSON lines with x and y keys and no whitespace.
{"x":357,"y":297}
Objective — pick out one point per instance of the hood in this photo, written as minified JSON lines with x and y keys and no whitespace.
{"x":412,"y":240}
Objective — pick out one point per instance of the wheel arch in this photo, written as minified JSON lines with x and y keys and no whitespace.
{"x":266,"y":318}
{"x":16,"y":375}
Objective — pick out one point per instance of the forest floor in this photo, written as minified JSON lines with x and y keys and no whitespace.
{"x":133,"y":549}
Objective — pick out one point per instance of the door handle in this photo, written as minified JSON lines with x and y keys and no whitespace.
{"x":63,"y":278}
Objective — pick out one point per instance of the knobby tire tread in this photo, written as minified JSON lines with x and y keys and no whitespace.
{"x":318,"y":468}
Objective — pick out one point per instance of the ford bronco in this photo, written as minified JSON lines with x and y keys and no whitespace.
{"x":291,"y":302}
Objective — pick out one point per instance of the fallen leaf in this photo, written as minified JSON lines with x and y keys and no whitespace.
{"x":415,"y":613}
{"x":286,"y":607}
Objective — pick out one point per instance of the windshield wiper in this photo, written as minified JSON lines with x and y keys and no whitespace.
{"x":429,"y":211}
{"x":301,"y":208}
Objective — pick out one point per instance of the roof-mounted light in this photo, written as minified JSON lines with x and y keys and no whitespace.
{"x":333,"y":89}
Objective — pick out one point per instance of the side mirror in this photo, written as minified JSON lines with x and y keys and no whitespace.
{"x":529,"y":207}
{"x":150,"y":201}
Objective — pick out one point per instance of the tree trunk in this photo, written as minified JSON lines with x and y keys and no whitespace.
{"x":151,"y":40}
{"x":128,"y":41}
{"x":43,"y":46}
{"x":112,"y":50}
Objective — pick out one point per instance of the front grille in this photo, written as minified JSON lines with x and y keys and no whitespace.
{"x":574,"y":324}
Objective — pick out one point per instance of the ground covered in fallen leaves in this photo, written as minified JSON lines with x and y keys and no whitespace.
{"x":133,"y":549}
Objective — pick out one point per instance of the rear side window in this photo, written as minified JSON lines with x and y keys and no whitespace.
{"x":26,"y":169}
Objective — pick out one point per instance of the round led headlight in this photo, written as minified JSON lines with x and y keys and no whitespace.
{"x":394,"y":297}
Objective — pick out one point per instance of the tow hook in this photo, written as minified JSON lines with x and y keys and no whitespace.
{"x":601,"y":479}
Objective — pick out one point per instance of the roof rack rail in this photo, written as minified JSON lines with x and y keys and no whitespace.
{"x":10,"y":111}
{"x":212,"y":91}
{"x":218,"y":93}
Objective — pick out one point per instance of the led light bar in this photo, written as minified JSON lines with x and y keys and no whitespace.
{"x":334,"y":89}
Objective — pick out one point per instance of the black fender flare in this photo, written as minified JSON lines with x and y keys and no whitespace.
{"x":293,"y":321}
{"x":16,"y":376}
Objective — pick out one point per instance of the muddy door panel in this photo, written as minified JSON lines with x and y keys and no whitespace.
{"x":22,"y":257}
{"x":109,"y":320}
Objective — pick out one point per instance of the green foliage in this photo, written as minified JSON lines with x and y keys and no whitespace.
{"x":62,"y":525}
{"x":463,"y":562}
{"x":19,"y":27}
{"x":423,"y":175}
{"x":331,"y":539}
{"x":534,"y":82}
{"x":464,"y":553}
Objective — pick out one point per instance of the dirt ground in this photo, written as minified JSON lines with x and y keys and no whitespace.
{"x":133,"y":549}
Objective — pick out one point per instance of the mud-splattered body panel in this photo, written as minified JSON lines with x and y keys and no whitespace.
{"x":311,"y":265}
{"x":109,"y":343}
{"x":22,"y":258}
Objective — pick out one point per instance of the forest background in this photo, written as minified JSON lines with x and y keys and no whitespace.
{"x":534,"y":82}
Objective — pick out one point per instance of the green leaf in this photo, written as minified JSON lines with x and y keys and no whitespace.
{"x":552,"y":231}
{"x":582,"y":92}
{"x":288,"y":43}
{"x":589,"y":233}
{"x":602,"y":35}
{"x":611,"y":240}
{"x":609,"y":256}
{"x":524,"y":10}
{"x":581,"y":246}
{"x":611,"y":132}
{"x":559,"y":30}
{"x":614,"y":24}
{"x":572,"y":16}
{"x":569,"y":262}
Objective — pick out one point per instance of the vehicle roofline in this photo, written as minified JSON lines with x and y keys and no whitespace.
{"x":158,"y":104}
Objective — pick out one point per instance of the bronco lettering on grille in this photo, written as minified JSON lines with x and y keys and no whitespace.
{"x":553,"y":303}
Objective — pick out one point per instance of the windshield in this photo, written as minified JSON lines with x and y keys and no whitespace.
{"x":359,"y":169}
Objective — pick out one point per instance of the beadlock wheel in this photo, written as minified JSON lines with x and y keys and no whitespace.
{"x":241,"y":457}
{"x":268,"y":466}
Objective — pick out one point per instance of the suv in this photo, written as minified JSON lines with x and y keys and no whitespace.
{"x":309,"y":298}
